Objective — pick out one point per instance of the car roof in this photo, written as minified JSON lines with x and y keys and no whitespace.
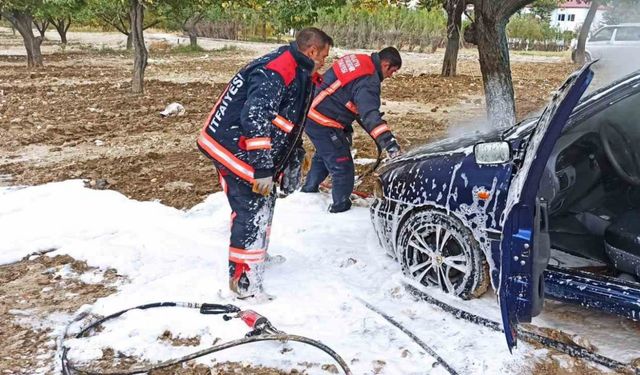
{"x":621,"y":25}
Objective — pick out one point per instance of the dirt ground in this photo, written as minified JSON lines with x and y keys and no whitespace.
{"x":76,"y":119}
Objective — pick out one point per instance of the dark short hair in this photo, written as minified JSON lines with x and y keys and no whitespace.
{"x":391,"y":55}
{"x":312,"y":36}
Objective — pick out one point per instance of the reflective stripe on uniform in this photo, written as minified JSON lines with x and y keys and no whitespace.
{"x":261,"y":143}
{"x":283,"y":124}
{"x":352,"y":107}
{"x":323,"y":120}
{"x":224,"y":157}
{"x":247,"y":256}
{"x":326,"y":92}
{"x":379,"y":130}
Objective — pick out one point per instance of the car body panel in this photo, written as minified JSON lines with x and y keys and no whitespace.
{"x":443,"y":175}
{"x":519,"y":274}
{"x":598,"y":292}
{"x":442,"y":182}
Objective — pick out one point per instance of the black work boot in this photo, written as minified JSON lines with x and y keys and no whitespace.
{"x":340,"y":207}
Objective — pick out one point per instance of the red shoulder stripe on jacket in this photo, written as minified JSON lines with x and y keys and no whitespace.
{"x":285,"y":65}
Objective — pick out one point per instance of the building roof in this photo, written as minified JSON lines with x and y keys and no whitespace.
{"x":572,"y":4}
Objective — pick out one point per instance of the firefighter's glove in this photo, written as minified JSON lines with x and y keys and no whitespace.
{"x":394,"y":151}
{"x":263,"y":186}
{"x":292,"y":174}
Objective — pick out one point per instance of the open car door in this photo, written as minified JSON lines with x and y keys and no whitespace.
{"x":525,"y":246}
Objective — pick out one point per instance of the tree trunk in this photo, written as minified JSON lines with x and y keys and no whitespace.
{"x":22,"y":22}
{"x":193,"y":40}
{"x":493,"y":51}
{"x":129,"y":41}
{"x":62,"y":25}
{"x":189,"y":26}
{"x":454,"y":10}
{"x":584,"y":32}
{"x":140,"y":50}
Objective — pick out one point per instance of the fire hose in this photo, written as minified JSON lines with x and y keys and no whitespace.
{"x":261,"y":330}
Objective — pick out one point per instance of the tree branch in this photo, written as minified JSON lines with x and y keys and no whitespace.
{"x":510,"y":7}
{"x":68,"y":24}
{"x":111,"y":22}
{"x":152,"y":24}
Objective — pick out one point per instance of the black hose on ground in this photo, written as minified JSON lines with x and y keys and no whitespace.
{"x":411,"y":335}
{"x":262,"y":333}
{"x":571,"y":349}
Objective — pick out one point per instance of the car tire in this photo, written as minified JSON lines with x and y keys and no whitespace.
{"x":437,"y":249}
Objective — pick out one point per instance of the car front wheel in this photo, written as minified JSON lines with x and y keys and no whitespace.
{"x":436,"y":249}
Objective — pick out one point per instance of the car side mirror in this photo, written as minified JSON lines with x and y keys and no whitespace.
{"x":492,"y":152}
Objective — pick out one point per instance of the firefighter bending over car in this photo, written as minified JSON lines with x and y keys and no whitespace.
{"x":350,"y":90}
{"x":253,"y":137}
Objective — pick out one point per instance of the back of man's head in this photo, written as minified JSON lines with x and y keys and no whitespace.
{"x":312,"y":36}
{"x":391,"y":55}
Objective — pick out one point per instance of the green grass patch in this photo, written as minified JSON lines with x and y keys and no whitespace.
{"x":187,"y":48}
{"x":543,"y":53}
{"x":103,"y":50}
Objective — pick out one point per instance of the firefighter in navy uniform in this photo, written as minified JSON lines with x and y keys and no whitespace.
{"x":253,"y":134}
{"x":350,"y":88}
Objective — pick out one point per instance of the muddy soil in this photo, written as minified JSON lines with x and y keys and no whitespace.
{"x":35,"y":294}
{"x":76,"y":119}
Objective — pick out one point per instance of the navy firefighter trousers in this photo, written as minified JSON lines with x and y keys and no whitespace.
{"x":251,"y":217}
{"x":333,"y":156}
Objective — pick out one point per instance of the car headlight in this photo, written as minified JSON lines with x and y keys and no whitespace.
{"x":378,"y":192}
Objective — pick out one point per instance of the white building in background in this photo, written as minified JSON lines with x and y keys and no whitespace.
{"x":571,"y":15}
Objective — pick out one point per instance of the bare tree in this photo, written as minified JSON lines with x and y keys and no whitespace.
{"x":454,"y":9}
{"x":140,"y":50}
{"x":488,"y":32}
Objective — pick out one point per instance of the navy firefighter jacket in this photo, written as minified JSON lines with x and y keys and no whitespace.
{"x":352,"y":88}
{"x":257,"y":118}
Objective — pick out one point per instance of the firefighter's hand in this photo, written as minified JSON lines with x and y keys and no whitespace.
{"x":263,"y":186}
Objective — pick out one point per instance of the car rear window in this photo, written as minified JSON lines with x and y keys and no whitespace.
{"x":628,"y":34}
{"x":603,"y":35}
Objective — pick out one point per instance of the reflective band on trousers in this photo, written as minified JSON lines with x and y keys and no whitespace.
{"x":379,"y":130}
{"x":247,"y":256}
{"x":226,"y":158}
{"x":262,"y":143}
{"x":283,"y":124}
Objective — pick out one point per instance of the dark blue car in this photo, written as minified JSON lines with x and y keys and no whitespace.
{"x":547,"y":209}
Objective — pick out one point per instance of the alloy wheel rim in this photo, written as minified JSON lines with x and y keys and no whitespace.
{"x":435,"y":256}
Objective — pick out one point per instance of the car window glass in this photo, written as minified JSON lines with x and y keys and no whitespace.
{"x":603,"y":35}
{"x":626,"y":34}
